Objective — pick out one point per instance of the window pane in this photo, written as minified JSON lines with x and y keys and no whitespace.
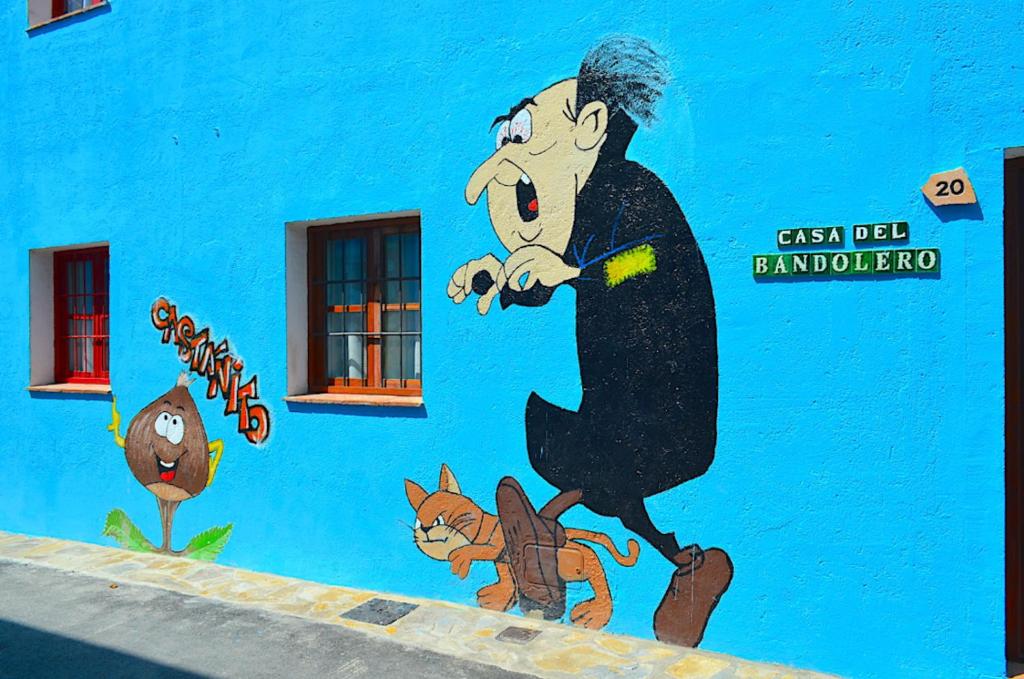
{"x":410,"y":321}
{"x":335,"y":294}
{"x":391,"y":292}
{"x":355,"y":259}
{"x":79,"y":277}
{"x":392,"y":357}
{"x":392,"y":321}
{"x":354,"y":293}
{"x":87,"y":280}
{"x":335,"y":260}
{"x":336,"y":347}
{"x":79,"y":359}
{"x":411,"y":357}
{"x":69,"y":278}
{"x":355,"y":321}
{"x":392,"y":253}
{"x":355,"y":357}
{"x":410,"y":255}
{"x":335,"y":322}
{"x":345,"y":356}
{"x":87,"y":357}
{"x":411,"y":292}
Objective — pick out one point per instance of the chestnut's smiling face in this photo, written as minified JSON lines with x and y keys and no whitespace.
{"x":544,"y":152}
{"x":166,"y":446}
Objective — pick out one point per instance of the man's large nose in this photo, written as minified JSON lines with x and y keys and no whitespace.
{"x":495,"y":167}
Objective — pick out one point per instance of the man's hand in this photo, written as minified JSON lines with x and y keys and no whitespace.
{"x":461,"y":284}
{"x":538,"y":264}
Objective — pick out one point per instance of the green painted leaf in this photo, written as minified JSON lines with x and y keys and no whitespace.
{"x":126,"y":533}
{"x":208,"y":545}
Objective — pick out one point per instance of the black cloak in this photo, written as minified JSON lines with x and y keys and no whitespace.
{"x":647,"y":347}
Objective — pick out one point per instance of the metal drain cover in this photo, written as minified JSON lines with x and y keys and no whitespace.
{"x":379,"y":611}
{"x":517,"y":635}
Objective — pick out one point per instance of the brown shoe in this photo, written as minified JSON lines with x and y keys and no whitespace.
{"x":531,"y":544}
{"x":696,"y":587}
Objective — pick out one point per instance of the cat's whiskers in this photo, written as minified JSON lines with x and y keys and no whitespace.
{"x":461,"y":521}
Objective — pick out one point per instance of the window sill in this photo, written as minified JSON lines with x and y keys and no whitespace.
{"x":358,"y":400}
{"x":69,"y":15}
{"x":71,"y":388}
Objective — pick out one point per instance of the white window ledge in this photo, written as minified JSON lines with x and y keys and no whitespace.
{"x":357,"y":400}
{"x":71,"y":388}
{"x":62,"y":17}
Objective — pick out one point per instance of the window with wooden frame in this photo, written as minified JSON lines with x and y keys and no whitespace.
{"x":365,"y":323}
{"x":81,"y":333}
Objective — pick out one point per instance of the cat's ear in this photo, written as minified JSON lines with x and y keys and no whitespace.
{"x":415,"y":493}
{"x":448,"y":482}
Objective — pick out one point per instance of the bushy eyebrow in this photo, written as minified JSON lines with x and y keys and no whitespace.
{"x":513,"y":111}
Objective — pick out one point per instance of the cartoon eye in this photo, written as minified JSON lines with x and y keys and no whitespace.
{"x":439,"y":521}
{"x":162,"y":420}
{"x":417,"y":525}
{"x":175,"y":429}
{"x":521,"y":127}
{"x":502,"y":137}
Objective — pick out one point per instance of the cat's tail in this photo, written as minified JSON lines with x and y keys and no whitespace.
{"x":601,"y":539}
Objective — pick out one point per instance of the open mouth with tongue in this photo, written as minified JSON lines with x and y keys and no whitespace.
{"x":526,"y":199}
{"x":167,"y":470}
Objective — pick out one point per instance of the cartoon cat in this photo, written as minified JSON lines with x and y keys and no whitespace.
{"x":451,"y":527}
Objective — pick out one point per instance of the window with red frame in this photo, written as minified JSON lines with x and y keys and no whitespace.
{"x":44,"y":11}
{"x":364,"y":308}
{"x":62,"y":7}
{"x":81,"y":316}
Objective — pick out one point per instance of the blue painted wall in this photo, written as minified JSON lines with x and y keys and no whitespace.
{"x":858,"y":482}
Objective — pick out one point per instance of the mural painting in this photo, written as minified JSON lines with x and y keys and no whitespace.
{"x":166,"y":446}
{"x":571,"y":210}
{"x":214,"y":361}
{"x":451,"y":527}
{"x":168,"y":453}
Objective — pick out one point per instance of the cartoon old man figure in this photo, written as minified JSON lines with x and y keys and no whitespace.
{"x":571,"y":210}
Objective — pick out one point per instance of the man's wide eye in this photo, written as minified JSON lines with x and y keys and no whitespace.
{"x":521,"y":127}
{"x":502,"y":137}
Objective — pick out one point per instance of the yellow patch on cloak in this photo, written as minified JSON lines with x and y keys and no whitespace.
{"x":629,"y":264}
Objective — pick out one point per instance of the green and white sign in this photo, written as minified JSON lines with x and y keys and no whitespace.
{"x":844,"y":263}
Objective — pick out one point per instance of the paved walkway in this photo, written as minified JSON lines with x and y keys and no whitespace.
{"x":74,"y":609}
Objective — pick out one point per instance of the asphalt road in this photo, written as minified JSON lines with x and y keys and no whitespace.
{"x":58,"y":624}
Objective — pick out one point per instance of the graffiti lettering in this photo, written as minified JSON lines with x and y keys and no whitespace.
{"x":218,"y":365}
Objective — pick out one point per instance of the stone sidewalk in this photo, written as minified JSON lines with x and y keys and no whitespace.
{"x":471,"y":634}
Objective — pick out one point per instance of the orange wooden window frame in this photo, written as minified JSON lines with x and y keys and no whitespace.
{"x":373,"y":381}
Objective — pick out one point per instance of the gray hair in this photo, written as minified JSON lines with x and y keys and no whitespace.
{"x":626,"y":74}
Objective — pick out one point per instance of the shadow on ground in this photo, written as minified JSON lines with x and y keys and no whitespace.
{"x":29,"y":652}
